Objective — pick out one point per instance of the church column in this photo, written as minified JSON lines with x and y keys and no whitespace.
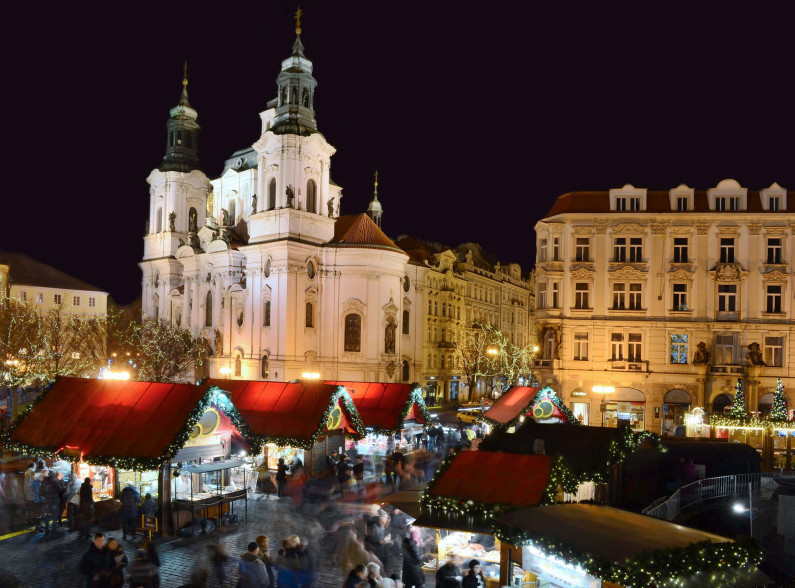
{"x":323,"y":190}
{"x":186,"y":290}
{"x":196,"y":310}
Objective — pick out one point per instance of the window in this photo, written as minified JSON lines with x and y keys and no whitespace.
{"x":555,"y":248}
{"x":634,"y":347}
{"x":680,"y":297}
{"x":266,"y":315}
{"x":680,"y":249}
{"x":678,"y":348}
{"x":542,"y":296}
{"x":92,"y":302}
{"x":634,"y":204}
{"x":681,"y":203}
{"x":774,"y":205}
{"x":75,"y":300}
{"x":353,"y":332}
{"x":583,"y":249}
{"x":40,"y":297}
{"x":581,"y":290}
{"x":619,"y":296}
{"x":272,"y":194}
{"x":724,"y":349}
{"x":617,"y":346}
{"x":75,"y":355}
{"x":620,"y":249}
{"x":723,"y":203}
{"x":208,"y":309}
{"x":23,"y":296}
{"x":444,"y":309}
{"x":635,"y":296}
{"x":636,"y":249}
{"x":430,"y":307}
{"x":405,"y":322}
{"x":727,"y":250}
{"x":621,"y":203}
{"x":442,"y":366}
{"x":232,"y":213}
{"x":773,"y":298}
{"x":310,"y":315}
{"x":555,"y":294}
{"x":311,"y":196}
{"x":774,"y":251}
{"x":435,"y":308}
{"x":720,"y":204}
{"x":774,"y":351}
{"x":542,"y":250}
{"x":56,"y":298}
{"x":727,"y":298}
{"x":581,"y":346}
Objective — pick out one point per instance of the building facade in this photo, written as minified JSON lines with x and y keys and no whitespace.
{"x":665,"y":299}
{"x":259,"y":263}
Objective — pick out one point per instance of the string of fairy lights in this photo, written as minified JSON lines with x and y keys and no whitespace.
{"x":544,"y":394}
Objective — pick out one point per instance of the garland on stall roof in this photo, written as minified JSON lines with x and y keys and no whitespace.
{"x":415,"y":397}
{"x":656,"y":568}
{"x":727,"y":422}
{"x":16,"y":446}
{"x":545,"y":393}
{"x":340,"y":395}
{"x":222,"y":401}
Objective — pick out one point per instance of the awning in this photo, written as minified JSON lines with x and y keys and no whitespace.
{"x":213,"y":466}
{"x":385,"y":407}
{"x":511,"y":405}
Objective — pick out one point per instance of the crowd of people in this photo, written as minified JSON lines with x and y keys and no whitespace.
{"x":105,"y":565}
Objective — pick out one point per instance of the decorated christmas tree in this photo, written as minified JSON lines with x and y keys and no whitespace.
{"x":779,"y":412}
{"x":739,"y":410}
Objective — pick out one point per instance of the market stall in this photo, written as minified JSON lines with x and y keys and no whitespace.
{"x":117,"y":431}
{"x":310,"y":416}
{"x":387,"y":410}
{"x":588,"y":545}
{"x":209,"y":490}
{"x":521,"y":402}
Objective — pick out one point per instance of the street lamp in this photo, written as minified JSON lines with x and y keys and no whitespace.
{"x":603,"y":391}
{"x":310,"y":375}
{"x":225,"y":371}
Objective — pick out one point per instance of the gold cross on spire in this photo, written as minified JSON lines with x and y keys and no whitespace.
{"x":376,"y":180}
{"x":185,"y":74}
{"x":298,"y":14}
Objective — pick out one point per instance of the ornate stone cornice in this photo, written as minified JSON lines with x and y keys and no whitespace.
{"x":728,"y":273}
{"x":659,"y":228}
{"x":583,"y":274}
{"x":600,"y":226}
{"x":754,"y":228}
{"x":775,"y":276}
{"x":627,"y":228}
{"x":703,"y":228}
{"x":681,"y":274}
{"x":627,"y":273}
{"x":774,"y":231}
{"x":728,"y":230}
{"x":583,"y":229}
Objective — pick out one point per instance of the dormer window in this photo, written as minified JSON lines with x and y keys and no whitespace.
{"x":774,"y":204}
{"x":724,"y":203}
{"x":728,"y":195}
{"x":681,"y":203}
{"x":628,"y":198}
{"x":774,"y":198}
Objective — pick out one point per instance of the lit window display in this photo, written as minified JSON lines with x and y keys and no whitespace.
{"x":103,"y":479}
{"x":144,"y":482}
{"x":620,"y":412}
{"x":463,"y":547}
{"x":273,"y":453}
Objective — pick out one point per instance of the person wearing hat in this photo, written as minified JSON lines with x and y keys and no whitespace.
{"x":474,"y":577}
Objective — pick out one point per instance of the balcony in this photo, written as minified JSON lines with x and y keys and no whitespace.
{"x":727,"y":315}
{"x":446,"y":345}
{"x":543,"y":363}
{"x":726,"y":369}
{"x":629,"y":366}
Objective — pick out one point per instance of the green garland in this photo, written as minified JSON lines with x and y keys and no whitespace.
{"x":726,"y":422}
{"x":655,"y":568}
{"x":546,"y":393}
{"x":339,"y":395}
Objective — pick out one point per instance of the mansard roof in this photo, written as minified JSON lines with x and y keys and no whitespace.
{"x":359,"y":230}
{"x":26,"y":271}
{"x":657,"y":201}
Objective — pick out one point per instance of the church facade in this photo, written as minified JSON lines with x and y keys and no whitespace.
{"x":260,"y":264}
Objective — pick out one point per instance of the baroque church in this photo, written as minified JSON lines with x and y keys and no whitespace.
{"x":259,"y":263}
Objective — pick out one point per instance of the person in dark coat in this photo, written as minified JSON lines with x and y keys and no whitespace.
{"x":291,"y":563}
{"x":94,"y":563}
{"x":412,"y":561}
{"x":281,"y":477}
{"x":149,"y":507}
{"x":129,"y":510}
{"x":252,"y":571}
{"x":51,"y":490}
{"x":448,"y":576}
{"x":356,"y":576}
{"x":86,"y":509}
{"x":474,"y":577}
{"x":143,"y":572}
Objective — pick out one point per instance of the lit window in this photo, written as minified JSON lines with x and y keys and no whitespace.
{"x":635,"y":296}
{"x":75,"y":300}
{"x":40,"y":297}
{"x":680,"y":297}
{"x":619,"y":296}
{"x":23,"y":296}
{"x":678,"y":348}
{"x":617,"y":346}
{"x":620,"y":249}
{"x":634,"y":347}
{"x":724,"y":349}
{"x":727,"y":298}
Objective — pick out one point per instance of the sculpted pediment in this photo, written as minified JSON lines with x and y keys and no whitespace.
{"x":681,"y":274}
{"x":627,"y":228}
{"x":628,"y":273}
{"x":775,"y":276}
{"x":583,"y":274}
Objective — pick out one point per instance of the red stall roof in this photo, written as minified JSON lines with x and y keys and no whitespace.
{"x":284,"y":412}
{"x":494,"y":477}
{"x":109,"y":418}
{"x":511,"y":405}
{"x":383,"y":406}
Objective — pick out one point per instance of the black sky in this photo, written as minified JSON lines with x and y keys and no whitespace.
{"x":477,"y":119}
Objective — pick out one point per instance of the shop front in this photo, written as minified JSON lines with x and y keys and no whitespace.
{"x":676,"y":404}
{"x":627,"y":409}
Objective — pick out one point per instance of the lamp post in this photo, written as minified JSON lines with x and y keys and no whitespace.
{"x":603,"y":391}
{"x":225,"y":371}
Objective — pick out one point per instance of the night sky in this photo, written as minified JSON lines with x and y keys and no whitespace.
{"x":475,"y":119}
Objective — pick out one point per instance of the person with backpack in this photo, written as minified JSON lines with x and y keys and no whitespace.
{"x":129,"y":510}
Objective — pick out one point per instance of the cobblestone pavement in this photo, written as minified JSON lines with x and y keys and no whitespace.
{"x":39,"y":561}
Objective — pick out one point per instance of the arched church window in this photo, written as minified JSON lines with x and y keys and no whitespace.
{"x":353,"y":332}
{"x":305,"y":98}
{"x":193,"y":220}
{"x":208,"y":310}
{"x":283,"y":96}
{"x":232,"y":212}
{"x":405,"y":322}
{"x":294,"y":95}
{"x":405,"y":371}
{"x":272,"y":194}
{"x":264,"y":368}
{"x":311,"y":196}
{"x":310,"y":315}
{"x":159,"y":223}
{"x":238,"y":366}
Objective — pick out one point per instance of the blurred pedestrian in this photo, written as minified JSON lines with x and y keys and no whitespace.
{"x":94,"y":563}
{"x":143,"y":571}
{"x":129,"y":510}
{"x":355,"y":577}
{"x":252,"y":571}
{"x":281,"y":477}
{"x":264,"y":555}
{"x":412,"y":561}
{"x":474,"y":577}
{"x":86,"y":508}
{"x":72,"y":501}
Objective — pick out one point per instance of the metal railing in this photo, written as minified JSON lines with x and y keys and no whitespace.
{"x":706,"y":489}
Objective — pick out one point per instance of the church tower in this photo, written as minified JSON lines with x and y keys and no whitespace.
{"x":177,"y":196}
{"x":297,"y":200}
{"x":375,"y":210}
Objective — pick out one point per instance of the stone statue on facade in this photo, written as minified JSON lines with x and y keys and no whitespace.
{"x":225,"y":217}
{"x":253,"y":204}
{"x":330,"y":205}
{"x":468,"y":256}
{"x":193,"y":221}
{"x":290,"y":196}
{"x":210,"y":204}
{"x":219,"y":342}
{"x":497,"y":268}
{"x":701,"y":355}
{"x":172,"y":221}
{"x":754,"y":355}
{"x":389,"y":336}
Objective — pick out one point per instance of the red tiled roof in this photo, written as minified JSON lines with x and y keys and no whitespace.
{"x":109,"y":418}
{"x":381,"y":405}
{"x":495,"y":477}
{"x":281,"y":410}
{"x":510,"y":405}
{"x":360,"y":230}
{"x":657,"y":201}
